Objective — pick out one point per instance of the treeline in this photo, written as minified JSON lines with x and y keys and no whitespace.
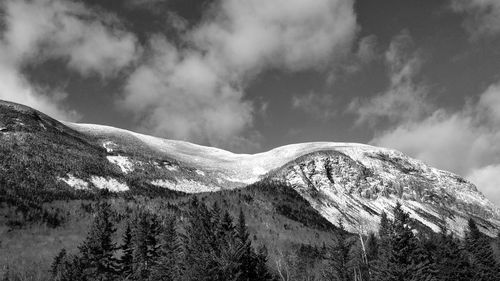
{"x":205,"y":244}
{"x":400,"y":253}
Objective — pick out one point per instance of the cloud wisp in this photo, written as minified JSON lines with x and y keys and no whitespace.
{"x":90,"y":42}
{"x":197,"y":92}
{"x":405,"y":98}
{"x":482,"y":16}
{"x":465,"y":141}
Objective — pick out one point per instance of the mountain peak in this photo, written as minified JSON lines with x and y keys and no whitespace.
{"x":348,"y":181}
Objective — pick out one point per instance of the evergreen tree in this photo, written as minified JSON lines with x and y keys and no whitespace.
{"x":452,"y":263}
{"x":168,"y":267}
{"x":339,"y":257}
{"x":379,"y":266}
{"x":261,"y":269}
{"x":480,"y":254}
{"x":372,"y":247}
{"x":70,"y":269}
{"x":200,"y":243}
{"x":248,"y":261}
{"x":402,"y":247}
{"x":98,"y":249}
{"x":145,"y":245}
{"x":126,"y":260}
{"x":57,"y":263}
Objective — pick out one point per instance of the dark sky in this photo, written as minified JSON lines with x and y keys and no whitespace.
{"x":422,"y":77}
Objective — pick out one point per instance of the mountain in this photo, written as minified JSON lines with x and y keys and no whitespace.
{"x":351,"y":182}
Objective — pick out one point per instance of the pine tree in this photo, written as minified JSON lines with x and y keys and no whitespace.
{"x":57,"y":263}
{"x":70,"y":269}
{"x":402,"y":247}
{"x":145,"y":245}
{"x":126,"y":260}
{"x":372,"y":247}
{"x":452,"y":263}
{"x":261,"y":269}
{"x":480,"y":254}
{"x":200,"y":243}
{"x":168,"y":267}
{"x":248,"y":261}
{"x":379,"y":266}
{"x":339,"y":257}
{"x":98,"y":248}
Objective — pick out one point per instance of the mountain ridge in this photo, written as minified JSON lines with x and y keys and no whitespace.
{"x":343,"y":181}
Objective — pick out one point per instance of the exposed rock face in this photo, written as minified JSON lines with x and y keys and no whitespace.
{"x":348,"y":181}
{"x":358,"y":184}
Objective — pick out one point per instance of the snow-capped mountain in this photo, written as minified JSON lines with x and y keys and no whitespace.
{"x":347,"y":181}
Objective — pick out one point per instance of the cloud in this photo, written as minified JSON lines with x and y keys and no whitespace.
{"x":197,"y":92}
{"x":179,"y":95}
{"x":488,"y":180}
{"x":14,"y":87}
{"x":316,"y":105}
{"x":458,"y":142}
{"x":489,"y":103}
{"x":482,"y":16}
{"x":466,"y":142}
{"x":91,"y":42}
{"x":405,"y":98}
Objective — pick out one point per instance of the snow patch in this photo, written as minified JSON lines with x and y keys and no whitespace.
{"x":163,"y":183}
{"x":75,"y":182}
{"x":110,"y":184}
{"x":109,"y":146}
{"x":171,"y":168}
{"x":187,"y":186}
{"x":123,"y":162}
{"x":201,"y":173}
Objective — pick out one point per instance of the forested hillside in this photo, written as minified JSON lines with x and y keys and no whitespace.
{"x":232,"y":235}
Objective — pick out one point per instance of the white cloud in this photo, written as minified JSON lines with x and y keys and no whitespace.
{"x":90,"y":41}
{"x":488,"y":179}
{"x":466,"y":142}
{"x":482,"y":16}
{"x":457,"y":142}
{"x":489,"y":103}
{"x":405,"y":99}
{"x":15,"y":88}
{"x":293,"y":34}
{"x":197,"y":93}
{"x":182,"y":97}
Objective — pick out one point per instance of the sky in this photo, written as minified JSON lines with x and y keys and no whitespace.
{"x":422,"y":77}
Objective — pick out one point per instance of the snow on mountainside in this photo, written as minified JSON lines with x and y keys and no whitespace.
{"x":348,"y":181}
{"x":358,"y":185}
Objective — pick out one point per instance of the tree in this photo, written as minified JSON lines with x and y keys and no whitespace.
{"x":200,"y":243}
{"x":57,"y":263}
{"x":261,"y":269}
{"x":70,"y":268}
{"x":168,"y":267}
{"x":339,"y":256}
{"x":452,"y":263}
{"x":127,"y":258}
{"x":248,"y":260}
{"x":145,"y":245}
{"x":480,"y":254}
{"x":402,"y":247}
{"x":98,"y":249}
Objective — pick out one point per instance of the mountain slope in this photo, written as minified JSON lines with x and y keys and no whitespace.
{"x":352,"y":182}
